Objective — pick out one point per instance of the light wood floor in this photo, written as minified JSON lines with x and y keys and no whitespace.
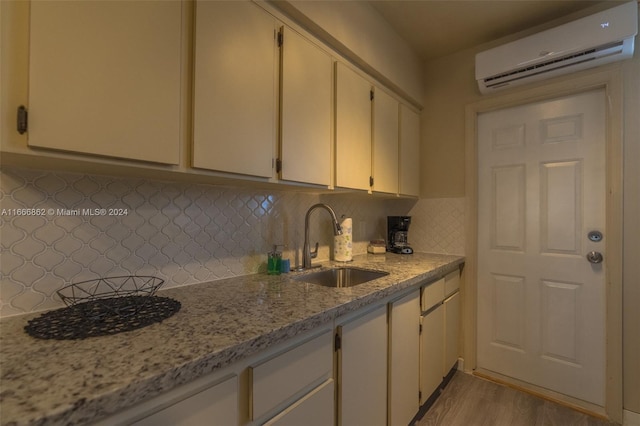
{"x":471,"y":401}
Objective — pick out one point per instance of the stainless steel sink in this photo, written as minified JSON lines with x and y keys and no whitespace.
{"x":341,"y":277}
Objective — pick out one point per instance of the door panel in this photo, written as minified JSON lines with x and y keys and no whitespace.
{"x":541,"y":187}
{"x":560,"y":199}
{"x":508,"y":204}
{"x":508,"y":316}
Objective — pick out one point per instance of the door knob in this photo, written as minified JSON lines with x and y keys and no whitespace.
{"x":594,"y":257}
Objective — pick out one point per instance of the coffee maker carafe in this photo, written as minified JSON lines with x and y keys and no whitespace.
{"x":397,"y":233}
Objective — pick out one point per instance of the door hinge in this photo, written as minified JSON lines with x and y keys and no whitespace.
{"x":280,"y":37}
{"x":371,"y":94}
{"x":278,"y":165}
{"x":370,"y":180}
{"x":23,"y":119}
{"x":337,"y":342}
{"x":420,"y":329}
{"x":419,"y":395}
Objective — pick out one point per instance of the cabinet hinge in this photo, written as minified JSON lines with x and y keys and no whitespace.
{"x":23,"y":119}
{"x":420,"y":329}
{"x":278,"y":165}
{"x":371,"y":95}
{"x":370,"y":180}
{"x":419,"y":395}
{"x":337,"y":343}
{"x":280,"y":38}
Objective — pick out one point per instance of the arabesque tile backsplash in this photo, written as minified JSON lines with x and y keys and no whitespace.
{"x":79,"y":226}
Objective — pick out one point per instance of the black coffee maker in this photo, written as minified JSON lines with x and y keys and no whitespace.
{"x":397,"y":233}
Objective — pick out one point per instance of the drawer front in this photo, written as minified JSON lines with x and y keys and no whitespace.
{"x":314,"y":409}
{"x":219,"y":402}
{"x":432,"y":294}
{"x":288,"y":374}
{"x":451,"y":283}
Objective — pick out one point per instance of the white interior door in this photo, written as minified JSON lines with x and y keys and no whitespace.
{"x":541,"y":186}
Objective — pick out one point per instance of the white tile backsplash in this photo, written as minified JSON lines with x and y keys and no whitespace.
{"x":183,"y":233}
{"x":437,"y":225}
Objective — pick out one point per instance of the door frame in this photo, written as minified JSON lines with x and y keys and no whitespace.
{"x":609,"y":79}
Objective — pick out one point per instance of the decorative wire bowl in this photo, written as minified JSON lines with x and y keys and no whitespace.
{"x":120,"y":296}
{"x":103,"y":307}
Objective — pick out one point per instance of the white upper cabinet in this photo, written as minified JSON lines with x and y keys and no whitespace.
{"x":353,"y":129}
{"x":409,"y":152}
{"x":105,"y":78}
{"x":235,"y":88}
{"x":385,"y":143}
{"x":307,"y":87}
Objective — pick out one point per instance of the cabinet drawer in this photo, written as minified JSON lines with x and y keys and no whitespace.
{"x":288,"y":374}
{"x":451,"y":282}
{"x":432,"y":294}
{"x":314,"y":409}
{"x":219,"y":402}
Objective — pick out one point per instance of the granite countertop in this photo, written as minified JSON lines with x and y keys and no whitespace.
{"x":70,"y":382}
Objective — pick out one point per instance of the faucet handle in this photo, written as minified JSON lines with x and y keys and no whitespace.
{"x":314,"y":253}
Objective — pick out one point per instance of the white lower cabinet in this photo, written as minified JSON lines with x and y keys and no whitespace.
{"x":374,"y":366}
{"x":362,"y":369}
{"x":451,"y":325}
{"x":431,"y":352}
{"x":439,"y":331}
{"x":404,"y":362}
{"x":216,"y":405}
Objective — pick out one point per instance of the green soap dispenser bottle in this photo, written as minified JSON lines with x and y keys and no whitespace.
{"x":274,"y":259}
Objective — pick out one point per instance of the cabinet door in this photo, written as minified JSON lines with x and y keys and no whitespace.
{"x":105,"y":78}
{"x":404,"y":359}
{"x":431,"y":352}
{"x":307,"y":87}
{"x":409,"y":152}
{"x":353,"y":129}
{"x":234,"y":113}
{"x":385,"y":143}
{"x":314,"y":409}
{"x":362,"y":365}
{"x":217,"y":405}
{"x":451,"y":331}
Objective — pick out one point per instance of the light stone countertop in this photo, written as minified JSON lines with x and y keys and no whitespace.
{"x":51,"y":382}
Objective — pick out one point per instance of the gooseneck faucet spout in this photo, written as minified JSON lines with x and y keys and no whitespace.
{"x":307,"y":254}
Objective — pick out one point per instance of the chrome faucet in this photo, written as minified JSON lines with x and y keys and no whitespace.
{"x":307,"y":254}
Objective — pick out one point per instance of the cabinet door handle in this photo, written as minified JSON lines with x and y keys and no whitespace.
{"x":23,"y":119}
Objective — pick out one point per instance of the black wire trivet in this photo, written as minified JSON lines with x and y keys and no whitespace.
{"x":102,"y":317}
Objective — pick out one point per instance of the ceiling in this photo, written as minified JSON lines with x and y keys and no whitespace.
{"x":435,"y":28}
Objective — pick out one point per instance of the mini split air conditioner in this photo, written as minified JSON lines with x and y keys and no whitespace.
{"x":594,"y":40}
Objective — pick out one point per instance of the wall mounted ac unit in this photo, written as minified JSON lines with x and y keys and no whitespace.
{"x":598,"y":39}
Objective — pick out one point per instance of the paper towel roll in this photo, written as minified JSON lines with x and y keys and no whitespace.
{"x":343,"y":244}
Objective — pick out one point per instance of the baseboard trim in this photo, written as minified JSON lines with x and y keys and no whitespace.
{"x":558,"y":398}
{"x":630,"y":418}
